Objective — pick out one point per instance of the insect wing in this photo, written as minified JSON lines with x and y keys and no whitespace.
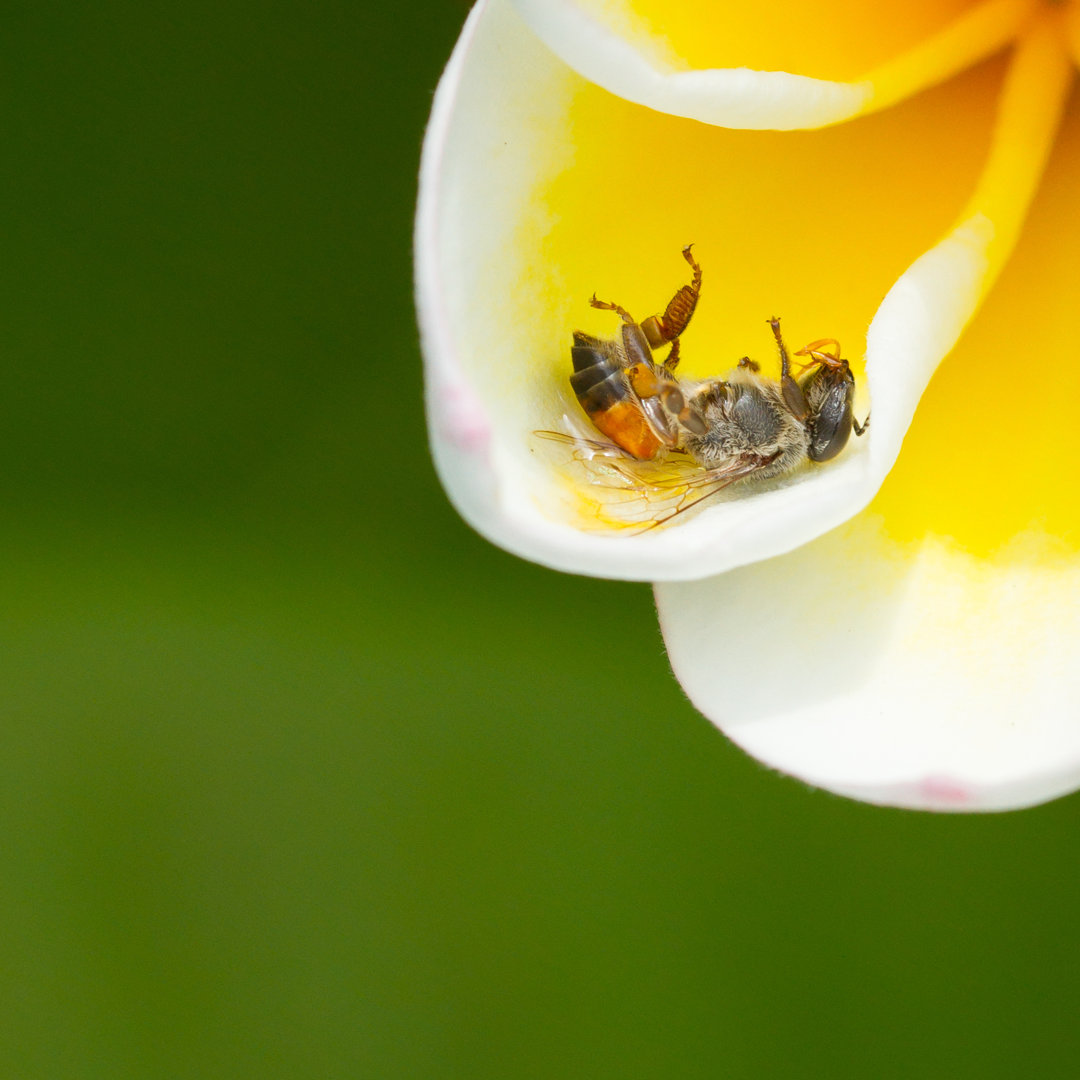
{"x":686,"y":494}
{"x":624,"y":494}
{"x":585,"y":449}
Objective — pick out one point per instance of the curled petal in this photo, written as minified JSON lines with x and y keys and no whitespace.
{"x":496,"y":312}
{"x":729,"y":97}
{"x":620,"y":54}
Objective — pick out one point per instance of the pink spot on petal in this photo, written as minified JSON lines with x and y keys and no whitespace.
{"x":944,"y":790}
{"x":463,"y":422}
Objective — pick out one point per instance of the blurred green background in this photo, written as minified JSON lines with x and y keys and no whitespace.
{"x":299,"y":777}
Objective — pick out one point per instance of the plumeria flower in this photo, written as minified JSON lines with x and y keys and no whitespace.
{"x":899,"y":628}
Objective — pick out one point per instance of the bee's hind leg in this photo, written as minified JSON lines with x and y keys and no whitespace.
{"x":671,"y":362}
{"x":661,"y":329}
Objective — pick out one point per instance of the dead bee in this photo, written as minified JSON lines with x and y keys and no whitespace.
{"x":732,"y":427}
{"x":634,"y":401}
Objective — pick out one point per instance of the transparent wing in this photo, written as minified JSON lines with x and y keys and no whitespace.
{"x":615,"y":491}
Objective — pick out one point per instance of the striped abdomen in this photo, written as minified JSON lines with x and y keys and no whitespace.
{"x":602,"y":386}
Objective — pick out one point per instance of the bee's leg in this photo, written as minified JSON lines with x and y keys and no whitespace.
{"x":660,"y":329}
{"x":794,"y":398}
{"x":650,"y":382}
{"x":644,"y":380}
{"x":860,"y":428}
{"x":687,"y":414}
{"x":635,"y":346}
{"x":672,"y":360}
{"x":750,"y":365}
{"x":603,"y":305}
{"x":634,"y":341}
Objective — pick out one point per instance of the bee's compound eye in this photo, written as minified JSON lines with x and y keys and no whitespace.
{"x":673,"y":399}
{"x":832,"y":425}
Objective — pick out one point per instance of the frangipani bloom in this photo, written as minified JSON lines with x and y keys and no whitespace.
{"x":897,"y":627}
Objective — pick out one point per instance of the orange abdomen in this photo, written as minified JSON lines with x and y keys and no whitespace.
{"x":604,"y":391}
{"x":625,"y":425}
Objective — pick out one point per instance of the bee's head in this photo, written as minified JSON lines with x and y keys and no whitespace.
{"x":829,"y":389}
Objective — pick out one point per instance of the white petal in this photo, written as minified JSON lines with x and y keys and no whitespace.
{"x":494,"y":133}
{"x":915,"y":676}
{"x":633,"y":67}
{"x":497,"y":134}
{"x":608,"y":46}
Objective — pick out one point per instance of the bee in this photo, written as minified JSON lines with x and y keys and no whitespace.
{"x":706,"y":434}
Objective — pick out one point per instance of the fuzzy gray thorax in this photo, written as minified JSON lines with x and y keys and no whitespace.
{"x":746,"y":418}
